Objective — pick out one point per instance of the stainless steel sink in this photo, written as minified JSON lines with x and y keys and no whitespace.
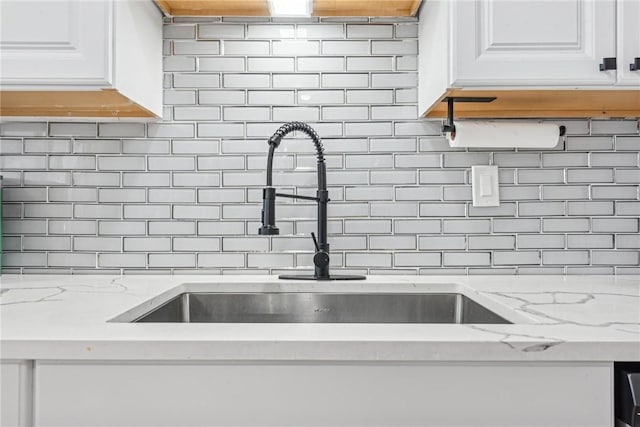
{"x":298,"y":307}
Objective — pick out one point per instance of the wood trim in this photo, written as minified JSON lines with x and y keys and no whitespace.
{"x":214,"y":7}
{"x":543,"y":104}
{"x":164,"y":6}
{"x":363,"y":7}
{"x":261,"y":8}
{"x":101,"y":103}
{"x":415,"y":7}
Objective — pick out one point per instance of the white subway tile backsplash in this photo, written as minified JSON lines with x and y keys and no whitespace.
{"x":97,"y":244}
{"x":368,"y":129}
{"x":296,"y":47}
{"x":323,"y":63}
{"x":196,"y":244}
{"x":147,"y":211}
{"x":181,"y":80}
{"x":368,"y":31}
{"x":172,"y":260}
{"x":614,"y":127}
{"x":172,"y":228}
{"x":221,"y":260}
{"x":416,"y":259}
{"x":302,"y":81}
{"x":46,"y":178}
{"x":565,"y":257}
{"x":179,"y":63}
{"x":219,"y":64}
{"x":221,"y":97}
{"x":303,"y":114}
{"x":269,"y":31}
{"x":45,"y":146}
{"x":23,"y":129}
{"x":345,"y":47}
{"x":589,"y":175}
{"x":443,"y":209}
{"x":66,"y":259}
{"x":218,"y":31}
{"x":122,"y":228}
{"x":345,"y":80}
{"x":319,"y":97}
{"x":397,"y":47}
{"x":246,"y":80}
{"x":565,"y":192}
{"x":466,"y":259}
{"x":246,"y":113}
{"x":615,"y":225}
{"x":270,"y":64}
{"x":627,"y":208}
{"x":121,"y":195}
{"x":394,"y":113}
{"x":194,"y":212}
{"x":147,"y":244}
{"x":516,"y":258}
{"x":369,"y":96}
{"x":179,"y":31}
{"x":617,"y":192}
{"x":237,"y":47}
{"x":369,"y":63}
{"x":395,"y":80}
{"x":122,"y":260}
{"x":185,"y":193}
{"x":181,"y":47}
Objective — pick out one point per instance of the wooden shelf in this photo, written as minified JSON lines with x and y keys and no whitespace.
{"x":260,"y":7}
{"x":100,"y":103}
{"x":542,"y":103}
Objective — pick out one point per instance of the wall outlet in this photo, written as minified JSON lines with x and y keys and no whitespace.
{"x":484,"y":184}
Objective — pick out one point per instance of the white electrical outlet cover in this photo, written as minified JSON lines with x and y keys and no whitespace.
{"x":484,"y":183}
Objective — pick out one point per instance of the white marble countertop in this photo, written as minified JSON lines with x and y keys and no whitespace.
{"x":557,"y":318}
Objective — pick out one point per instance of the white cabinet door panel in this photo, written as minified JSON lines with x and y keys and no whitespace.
{"x":15,"y":393}
{"x":532,"y":42}
{"x":628,"y":41}
{"x":331,"y":394}
{"x":55,"y":42}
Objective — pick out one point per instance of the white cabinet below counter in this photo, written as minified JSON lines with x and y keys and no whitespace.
{"x":539,"y":58}
{"x":75,"y":58}
{"x":323,"y":393}
{"x":16,"y":393}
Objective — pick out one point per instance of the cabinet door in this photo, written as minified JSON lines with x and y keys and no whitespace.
{"x":55,"y":43}
{"x":15,"y":393}
{"x":310,"y":394}
{"x":532,"y":42}
{"x":628,"y":42}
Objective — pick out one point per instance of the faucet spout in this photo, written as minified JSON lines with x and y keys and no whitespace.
{"x":321,"y":258}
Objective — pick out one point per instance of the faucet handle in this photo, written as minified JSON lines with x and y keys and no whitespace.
{"x":315,"y":241}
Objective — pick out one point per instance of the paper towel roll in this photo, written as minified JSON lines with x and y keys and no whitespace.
{"x":504,"y":134}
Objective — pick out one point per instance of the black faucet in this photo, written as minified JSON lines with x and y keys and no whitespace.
{"x":321,"y":258}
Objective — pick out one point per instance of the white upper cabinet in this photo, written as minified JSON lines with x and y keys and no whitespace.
{"x":55,"y":43}
{"x":81,"y":57}
{"x":559,"y":51}
{"x":629,"y":42}
{"x":532,"y":42}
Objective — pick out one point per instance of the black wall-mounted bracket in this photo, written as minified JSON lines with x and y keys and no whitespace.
{"x":449,"y":126}
{"x":450,"y":100}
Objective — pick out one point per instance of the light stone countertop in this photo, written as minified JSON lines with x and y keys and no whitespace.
{"x":557,"y":318}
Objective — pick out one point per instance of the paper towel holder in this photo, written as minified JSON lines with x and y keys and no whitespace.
{"x":449,"y":126}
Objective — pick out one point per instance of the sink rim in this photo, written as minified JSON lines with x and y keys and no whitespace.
{"x":511,"y":314}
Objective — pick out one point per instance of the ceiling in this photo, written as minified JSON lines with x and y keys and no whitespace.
{"x":369,"y":8}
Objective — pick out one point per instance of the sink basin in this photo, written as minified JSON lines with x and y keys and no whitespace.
{"x":300,"y":307}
